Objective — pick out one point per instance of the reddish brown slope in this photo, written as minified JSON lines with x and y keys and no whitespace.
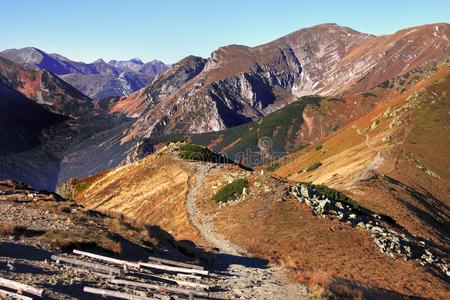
{"x":44,"y":88}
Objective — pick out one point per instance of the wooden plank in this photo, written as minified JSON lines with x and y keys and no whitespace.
{"x":174,"y":263}
{"x":14,"y":295}
{"x":189,"y":276}
{"x":173,"y":269}
{"x":114,"y":294}
{"x":78,"y":262}
{"x":159,"y":287}
{"x":20,"y":287}
{"x":108,"y":259}
{"x":179,"y":282}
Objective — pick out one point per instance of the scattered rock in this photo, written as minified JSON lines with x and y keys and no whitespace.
{"x":390,"y":242}
{"x":386,"y":139}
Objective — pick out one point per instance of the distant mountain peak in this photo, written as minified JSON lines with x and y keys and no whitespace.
{"x":100,"y":60}
{"x":137,"y":61}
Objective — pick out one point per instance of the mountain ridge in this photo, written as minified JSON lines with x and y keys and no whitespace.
{"x":97,"y":79}
{"x":238,"y":84}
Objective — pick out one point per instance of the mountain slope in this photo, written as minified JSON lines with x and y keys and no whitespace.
{"x":300,"y":123}
{"x":238,"y":84}
{"x":393,"y":160}
{"x":44,"y":88}
{"x":50,"y":131}
{"x":98,"y":79}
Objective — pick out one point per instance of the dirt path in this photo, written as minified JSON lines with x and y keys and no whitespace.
{"x":377,"y":160}
{"x":250,"y":278}
{"x":374,"y":164}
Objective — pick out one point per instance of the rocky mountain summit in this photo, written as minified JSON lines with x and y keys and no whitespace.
{"x":98,"y":79}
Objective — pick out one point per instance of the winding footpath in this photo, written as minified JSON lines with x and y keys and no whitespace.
{"x":249,"y":277}
{"x":374,"y":164}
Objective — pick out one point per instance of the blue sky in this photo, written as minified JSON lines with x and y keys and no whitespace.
{"x":170,"y":30}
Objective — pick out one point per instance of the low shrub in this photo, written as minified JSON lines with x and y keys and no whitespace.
{"x":319,"y":147}
{"x":12,"y":229}
{"x":369,"y":94}
{"x":273,"y":167}
{"x":384,"y":84}
{"x":314,"y":166}
{"x":200,"y":153}
{"x":231,"y":190}
{"x":327,"y":192}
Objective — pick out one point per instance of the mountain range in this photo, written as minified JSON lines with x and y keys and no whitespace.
{"x":236,"y":85}
{"x":98,"y":79}
{"x":324,"y":153}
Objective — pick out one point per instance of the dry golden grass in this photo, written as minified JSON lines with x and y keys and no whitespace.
{"x":150,"y":192}
{"x":67,"y":241}
{"x":322,"y":285}
{"x":288,"y":234}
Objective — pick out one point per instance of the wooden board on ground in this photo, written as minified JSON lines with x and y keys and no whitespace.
{"x":178,"y":282}
{"x":13,"y":295}
{"x":114,"y":294}
{"x":174,"y":263}
{"x":20,"y":287}
{"x":78,"y":262}
{"x":174,"y":269}
{"x":159,"y":287}
{"x":108,"y":259}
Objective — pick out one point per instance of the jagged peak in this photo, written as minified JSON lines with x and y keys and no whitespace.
{"x":100,"y":60}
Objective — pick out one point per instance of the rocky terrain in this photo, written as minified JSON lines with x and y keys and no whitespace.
{"x":38,"y":230}
{"x":98,"y":79}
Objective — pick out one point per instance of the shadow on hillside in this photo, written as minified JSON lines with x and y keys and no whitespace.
{"x":428,"y":209}
{"x":19,"y":251}
{"x":187,"y":251}
{"x":349,"y":289}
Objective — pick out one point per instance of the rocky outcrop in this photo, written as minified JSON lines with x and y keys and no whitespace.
{"x":392,"y":242}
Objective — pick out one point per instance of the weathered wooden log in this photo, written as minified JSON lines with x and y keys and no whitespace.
{"x":20,"y":287}
{"x":115,"y":294}
{"x":13,"y":295}
{"x":159,"y":287}
{"x":173,"y":269}
{"x":178,"y":282}
{"x":78,"y":262}
{"x":174,"y":263}
{"x":108,"y":259}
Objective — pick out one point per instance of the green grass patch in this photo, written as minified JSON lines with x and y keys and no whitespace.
{"x":231,"y":190}
{"x":314,"y":166}
{"x":273,"y":167}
